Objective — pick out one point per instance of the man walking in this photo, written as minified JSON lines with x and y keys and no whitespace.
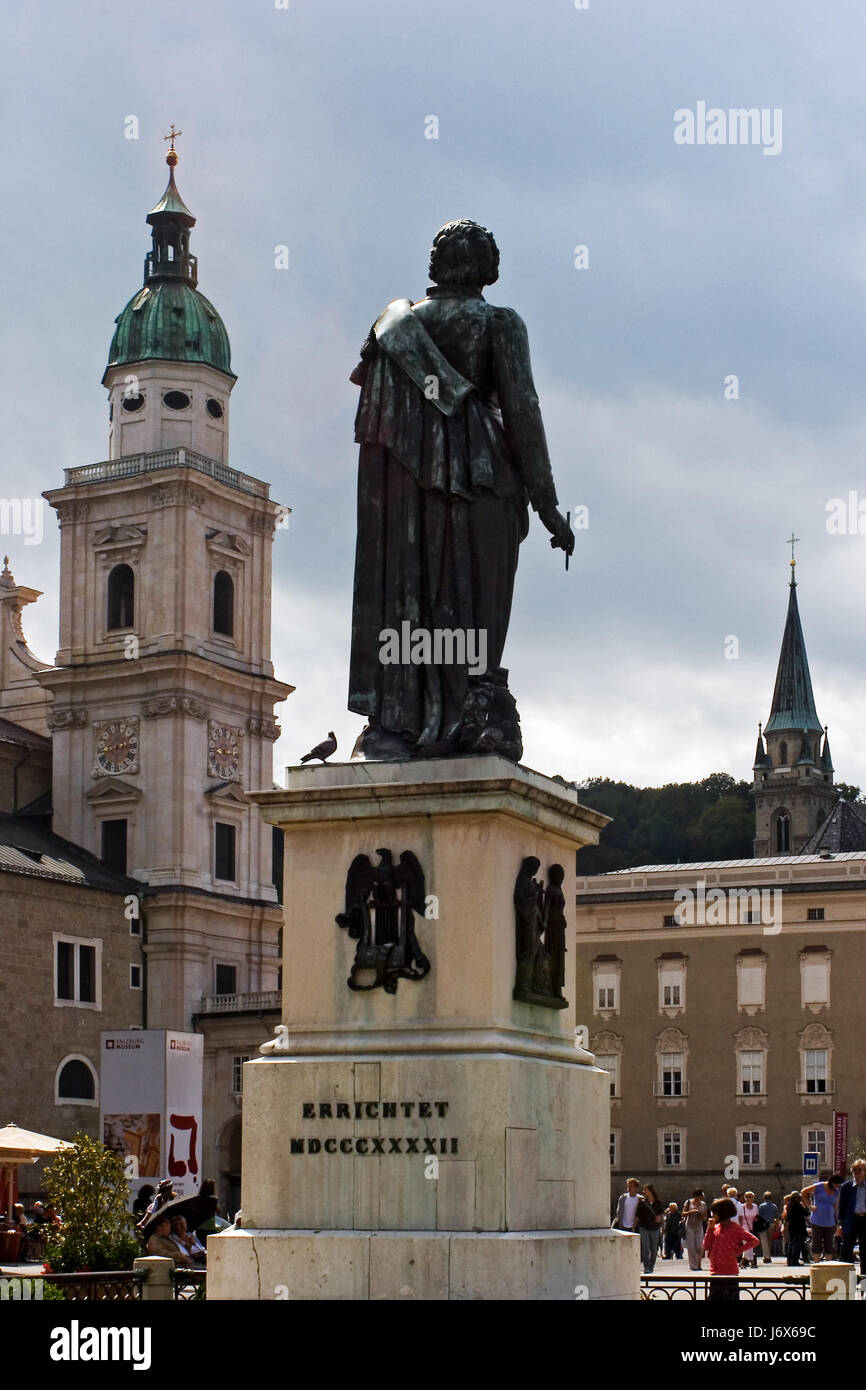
{"x":768,"y":1215}
{"x":852,"y":1214}
{"x":626,"y":1207}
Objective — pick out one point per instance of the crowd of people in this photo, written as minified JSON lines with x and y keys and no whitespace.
{"x":169,"y":1235}
{"x":33,"y":1230}
{"x":824,"y":1221}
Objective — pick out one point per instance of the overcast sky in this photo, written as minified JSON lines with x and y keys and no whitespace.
{"x":306,"y":127}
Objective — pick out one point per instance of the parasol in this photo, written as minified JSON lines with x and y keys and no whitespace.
{"x":196,"y":1209}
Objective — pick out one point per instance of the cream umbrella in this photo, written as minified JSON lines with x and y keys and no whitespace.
{"x":19,"y":1146}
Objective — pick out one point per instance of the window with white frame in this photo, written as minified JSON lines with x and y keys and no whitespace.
{"x":75,"y":1082}
{"x":671,"y":1058}
{"x":816,"y":1140}
{"x":614,"y":1148}
{"x":672,"y":1069}
{"x":606,"y":986}
{"x":815,"y":978}
{"x":816,"y":1044}
{"x":606,"y":1046}
{"x":815,"y":1070}
{"x":751,"y":1073}
{"x":135,"y":977}
{"x":750,"y":1047}
{"x":238,"y":1074}
{"x":78,"y":971}
{"x":672,"y":984}
{"x":750,"y":1143}
{"x":672,"y":1147}
{"x":609,"y":1062}
{"x":751,"y":981}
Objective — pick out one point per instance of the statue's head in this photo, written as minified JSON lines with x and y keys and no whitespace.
{"x":464,"y":253}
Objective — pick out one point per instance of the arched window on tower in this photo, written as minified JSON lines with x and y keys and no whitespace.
{"x":121,"y":597}
{"x":783,"y":754}
{"x":783,"y":833}
{"x":223,"y":604}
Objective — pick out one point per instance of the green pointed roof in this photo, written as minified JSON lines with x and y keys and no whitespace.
{"x":169,"y":319}
{"x":825,"y":754}
{"x":171,"y":204}
{"x":793,"y":708}
{"x":761,"y":757}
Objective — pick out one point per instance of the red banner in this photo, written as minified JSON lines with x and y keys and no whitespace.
{"x":840,"y":1141}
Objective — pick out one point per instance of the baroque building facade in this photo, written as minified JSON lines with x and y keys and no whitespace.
{"x":724,"y":997}
{"x":159,"y":706}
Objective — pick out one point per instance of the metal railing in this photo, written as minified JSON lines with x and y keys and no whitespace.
{"x":117,"y":1284}
{"x":696,"y":1287}
{"x":161,"y":459}
{"x":234,"y":1003}
{"x":189,"y":1284}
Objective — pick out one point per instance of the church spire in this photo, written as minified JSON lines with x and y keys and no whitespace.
{"x":793,"y":707}
{"x":825,"y":753}
{"x":793,"y":781}
{"x":171,"y":221}
{"x":761,"y":759}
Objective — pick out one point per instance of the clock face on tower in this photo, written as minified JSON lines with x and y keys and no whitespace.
{"x":224,"y":752}
{"x":117,"y":747}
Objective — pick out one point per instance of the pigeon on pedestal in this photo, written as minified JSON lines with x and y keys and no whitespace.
{"x":322,"y":751}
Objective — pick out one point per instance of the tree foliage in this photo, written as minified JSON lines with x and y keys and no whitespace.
{"x":850,"y":793}
{"x":682,"y":821}
{"x":88,"y":1186}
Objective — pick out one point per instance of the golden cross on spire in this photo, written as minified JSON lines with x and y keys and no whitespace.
{"x":171,"y":157}
{"x":792,"y":541}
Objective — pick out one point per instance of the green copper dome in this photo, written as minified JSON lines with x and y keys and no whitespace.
{"x":169,"y":319}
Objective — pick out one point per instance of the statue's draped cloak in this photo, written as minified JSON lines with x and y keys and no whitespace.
{"x":443,"y":484}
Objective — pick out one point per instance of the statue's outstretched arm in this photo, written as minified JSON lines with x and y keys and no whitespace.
{"x":524,"y":427}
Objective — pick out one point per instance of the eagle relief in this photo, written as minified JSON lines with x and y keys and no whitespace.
{"x":381,"y":901}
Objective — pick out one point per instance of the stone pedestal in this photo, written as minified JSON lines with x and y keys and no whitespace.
{"x":445,"y":1141}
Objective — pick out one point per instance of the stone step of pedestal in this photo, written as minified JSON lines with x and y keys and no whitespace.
{"x":586,"y":1266}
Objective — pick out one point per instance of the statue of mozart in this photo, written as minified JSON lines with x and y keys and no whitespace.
{"x":452,"y":454}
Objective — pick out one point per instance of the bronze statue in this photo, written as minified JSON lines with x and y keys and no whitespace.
{"x":528,"y":921}
{"x":452,"y":453}
{"x":554,"y":927}
{"x":539,"y":936}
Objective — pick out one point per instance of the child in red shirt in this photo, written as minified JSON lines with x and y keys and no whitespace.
{"x":724,"y":1242}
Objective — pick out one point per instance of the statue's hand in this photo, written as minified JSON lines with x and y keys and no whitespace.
{"x":561,"y":534}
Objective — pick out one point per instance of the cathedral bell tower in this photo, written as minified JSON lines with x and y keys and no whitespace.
{"x":793,"y":771}
{"x":163,"y":688}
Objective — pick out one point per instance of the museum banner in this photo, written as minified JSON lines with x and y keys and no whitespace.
{"x":151,"y":1105}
